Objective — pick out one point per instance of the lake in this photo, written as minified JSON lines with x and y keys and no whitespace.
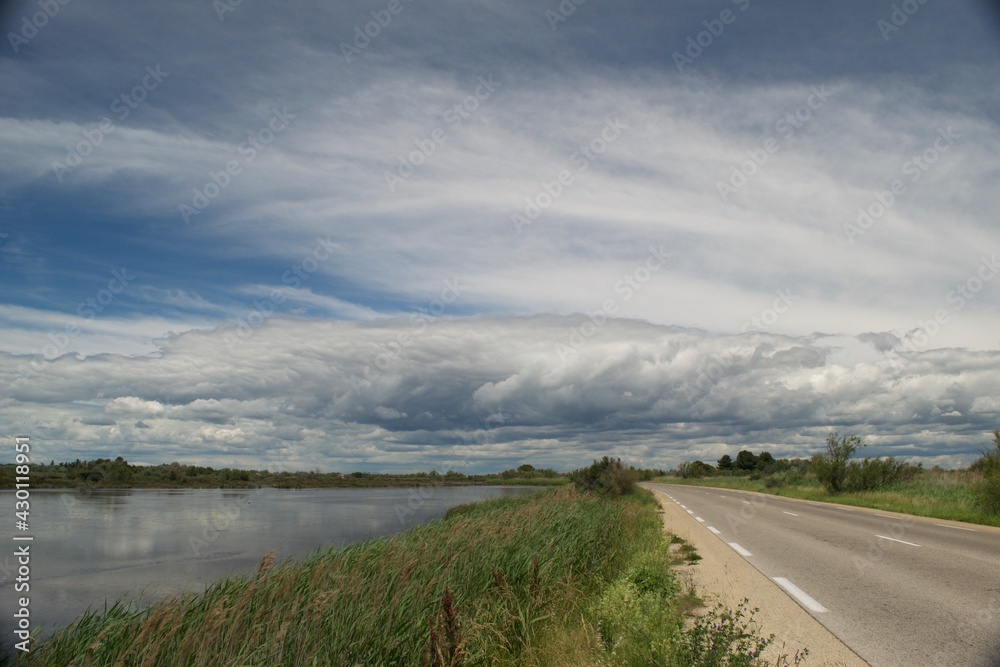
{"x":92,"y":546}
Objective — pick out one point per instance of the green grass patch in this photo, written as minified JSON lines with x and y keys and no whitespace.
{"x":941,"y":494}
{"x":555,"y":578}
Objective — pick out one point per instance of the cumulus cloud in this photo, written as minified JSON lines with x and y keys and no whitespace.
{"x":474,"y":393}
{"x":133,"y":405}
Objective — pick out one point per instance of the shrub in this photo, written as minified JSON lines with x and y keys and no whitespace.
{"x":871,"y":474}
{"x":987,"y":489}
{"x":605,"y":477}
{"x":774,"y":481}
{"x":696,"y":469}
{"x":728,"y":638}
{"x":987,"y":492}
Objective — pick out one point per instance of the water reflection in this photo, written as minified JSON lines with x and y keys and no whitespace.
{"x":92,"y":546}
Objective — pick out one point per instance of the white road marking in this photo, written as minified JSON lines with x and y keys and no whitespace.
{"x":804,"y":599}
{"x":790,"y":513}
{"x":745,"y":502}
{"x":700,"y":520}
{"x":845,"y":509}
{"x":944,"y":525}
{"x":895,"y":540}
{"x":682,"y":506}
{"x":740,"y":550}
{"x":689,"y":512}
{"x":884,"y":516}
{"x":715,"y":530}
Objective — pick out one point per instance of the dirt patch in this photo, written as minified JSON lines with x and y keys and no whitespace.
{"x":724,"y":577}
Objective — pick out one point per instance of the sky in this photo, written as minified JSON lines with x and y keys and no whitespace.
{"x":403,"y":235}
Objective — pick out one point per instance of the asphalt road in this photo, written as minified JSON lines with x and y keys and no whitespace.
{"x":898,"y":590}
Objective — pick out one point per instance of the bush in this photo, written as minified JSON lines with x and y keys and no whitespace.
{"x":728,"y":638}
{"x":605,"y":477}
{"x":774,"y":481}
{"x":871,"y":474}
{"x":987,"y":492}
{"x":987,"y":489}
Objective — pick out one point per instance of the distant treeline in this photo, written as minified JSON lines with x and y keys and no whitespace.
{"x":834,"y":470}
{"x":831,"y":469}
{"x":119,"y":473}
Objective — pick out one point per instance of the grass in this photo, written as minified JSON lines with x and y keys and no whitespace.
{"x":941,"y":494}
{"x":556,"y":578}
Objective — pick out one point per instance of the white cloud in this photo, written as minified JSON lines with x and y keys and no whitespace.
{"x":135,"y":406}
{"x":484,"y":392}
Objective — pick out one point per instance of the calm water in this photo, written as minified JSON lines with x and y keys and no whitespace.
{"x":95,"y":546}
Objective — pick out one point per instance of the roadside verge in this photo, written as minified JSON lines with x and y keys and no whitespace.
{"x":723,"y":577}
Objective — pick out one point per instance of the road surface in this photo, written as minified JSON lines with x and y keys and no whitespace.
{"x":898,"y":590}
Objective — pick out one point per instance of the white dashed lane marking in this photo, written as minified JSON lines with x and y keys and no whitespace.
{"x":944,"y":525}
{"x":895,"y":540}
{"x":740,"y":550}
{"x":804,"y":599}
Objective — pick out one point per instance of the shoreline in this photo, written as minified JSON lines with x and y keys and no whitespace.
{"x":542,"y":483}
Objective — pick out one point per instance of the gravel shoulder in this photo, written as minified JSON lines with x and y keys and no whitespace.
{"x":724,"y":577}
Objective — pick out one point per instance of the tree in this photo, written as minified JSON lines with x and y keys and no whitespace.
{"x":725,"y":463}
{"x":746,"y":460}
{"x":695,"y":469}
{"x":120,"y":471}
{"x":831,"y":468}
{"x":990,"y":458}
{"x":765,"y":462}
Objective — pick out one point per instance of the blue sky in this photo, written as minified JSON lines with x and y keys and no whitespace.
{"x":490,"y":233}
